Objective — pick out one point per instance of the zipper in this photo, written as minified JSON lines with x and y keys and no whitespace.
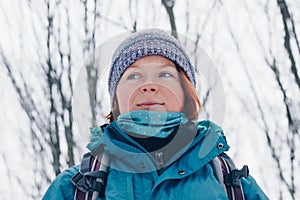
{"x":159,"y":159}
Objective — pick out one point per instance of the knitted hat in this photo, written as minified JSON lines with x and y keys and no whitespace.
{"x":145,"y":43}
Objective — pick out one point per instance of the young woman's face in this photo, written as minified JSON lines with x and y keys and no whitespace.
{"x":151,"y":83}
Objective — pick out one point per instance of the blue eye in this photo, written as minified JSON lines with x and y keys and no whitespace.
{"x":165,"y":75}
{"x":133,"y":76}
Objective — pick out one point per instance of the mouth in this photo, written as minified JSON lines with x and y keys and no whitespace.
{"x":147,"y":104}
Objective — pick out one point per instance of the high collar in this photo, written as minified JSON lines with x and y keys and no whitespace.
{"x":129,"y":156}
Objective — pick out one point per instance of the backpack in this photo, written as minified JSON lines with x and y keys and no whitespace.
{"x":90,"y":181}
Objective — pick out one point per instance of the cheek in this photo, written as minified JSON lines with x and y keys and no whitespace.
{"x":175,"y":97}
{"x":124,"y":96}
{"x":121,"y":99}
{"x":180,"y":98}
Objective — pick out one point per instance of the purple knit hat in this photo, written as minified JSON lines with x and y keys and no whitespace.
{"x":145,"y":43}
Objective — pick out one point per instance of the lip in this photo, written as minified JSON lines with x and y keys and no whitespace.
{"x":149,"y":103}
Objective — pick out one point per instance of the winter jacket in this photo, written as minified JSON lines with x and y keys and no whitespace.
{"x":188,"y":174}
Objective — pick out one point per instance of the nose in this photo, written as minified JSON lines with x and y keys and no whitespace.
{"x":149,"y":88}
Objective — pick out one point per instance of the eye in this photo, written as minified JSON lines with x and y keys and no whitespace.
{"x":133,"y":76}
{"x":165,"y":75}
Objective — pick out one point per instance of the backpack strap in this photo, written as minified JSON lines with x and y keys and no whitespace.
{"x":229,"y":177}
{"x":90,"y":181}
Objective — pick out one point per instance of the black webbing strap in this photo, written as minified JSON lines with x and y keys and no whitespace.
{"x":232,"y":177}
{"x":86,"y":182}
{"x":89,"y":181}
{"x":85,"y":163}
{"x":81,"y":181}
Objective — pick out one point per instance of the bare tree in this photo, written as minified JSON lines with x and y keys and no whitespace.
{"x":89,"y":46}
{"x":51,"y":122}
{"x":169,"y":4}
{"x":285,"y":141}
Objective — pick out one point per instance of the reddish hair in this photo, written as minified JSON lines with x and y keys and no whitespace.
{"x":192,"y":104}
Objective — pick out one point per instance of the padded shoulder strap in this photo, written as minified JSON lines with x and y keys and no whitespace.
{"x":90,"y":181}
{"x":218,"y":172}
{"x":229,"y":177}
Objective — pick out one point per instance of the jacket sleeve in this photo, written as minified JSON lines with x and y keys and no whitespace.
{"x":251,"y":189}
{"x":62,"y":188}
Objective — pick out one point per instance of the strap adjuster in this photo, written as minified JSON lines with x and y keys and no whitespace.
{"x":82,"y":182}
{"x":233,"y":178}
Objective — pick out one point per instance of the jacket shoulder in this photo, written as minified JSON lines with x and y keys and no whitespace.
{"x":252,"y":190}
{"x":61,"y":187}
{"x":207,"y":124}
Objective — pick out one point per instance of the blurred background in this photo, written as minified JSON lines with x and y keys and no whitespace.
{"x":45,"y":47}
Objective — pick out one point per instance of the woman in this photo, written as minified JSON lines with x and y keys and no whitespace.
{"x":153,"y":145}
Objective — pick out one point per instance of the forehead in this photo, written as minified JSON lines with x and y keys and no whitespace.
{"x":154,"y":59}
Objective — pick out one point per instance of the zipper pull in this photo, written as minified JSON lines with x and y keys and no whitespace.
{"x":159,"y":159}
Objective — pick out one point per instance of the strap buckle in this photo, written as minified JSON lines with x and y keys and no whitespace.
{"x":82,"y":182}
{"x":233,"y":178}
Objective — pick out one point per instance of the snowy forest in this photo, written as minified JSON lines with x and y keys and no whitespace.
{"x":54,"y":55}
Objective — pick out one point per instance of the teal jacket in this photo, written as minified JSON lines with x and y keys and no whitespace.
{"x":133,"y":172}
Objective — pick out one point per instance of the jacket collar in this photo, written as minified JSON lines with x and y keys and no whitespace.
{"x":127,"y":155}
{"x":209,"y":143}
